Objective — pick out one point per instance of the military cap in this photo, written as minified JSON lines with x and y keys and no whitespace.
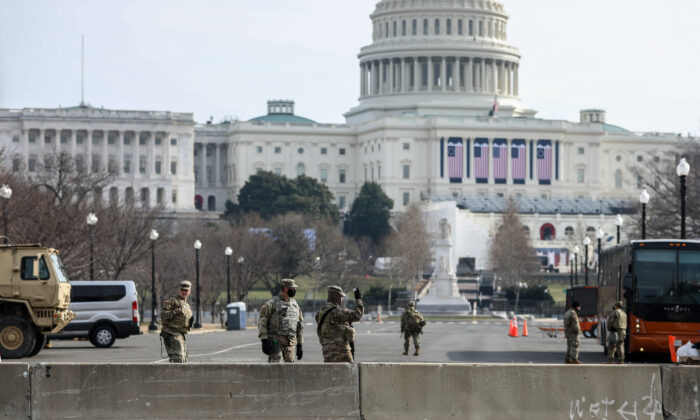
{"x":336,"y":289}
{"x":288,"y":283}
{"x":411,"y":303}
{"x":618,"y":303}
{"x":185,"y":285}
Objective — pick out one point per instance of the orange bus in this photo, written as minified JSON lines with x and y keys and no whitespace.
{"x":658,"y":282}
{"x":587,"y":297}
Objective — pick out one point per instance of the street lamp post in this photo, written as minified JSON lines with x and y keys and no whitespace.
{"x":92,"y":221}
{"x":571,"y":272}
{"x":576,"y":265}
{"x":5,"y":193}
{"x":618,"y":224}
{"x":228,"y":253}
{"x":644,"y":199}
{"x":153,"y":236}
{"x":599,"y":235}
{"x":197,"y":247}
{"x":586,"y":242}
{"x":682,"y":170}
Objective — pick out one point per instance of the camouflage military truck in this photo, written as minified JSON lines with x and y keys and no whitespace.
{"x":34,"y":298}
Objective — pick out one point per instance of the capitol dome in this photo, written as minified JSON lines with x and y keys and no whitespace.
{"x":444,"y":57}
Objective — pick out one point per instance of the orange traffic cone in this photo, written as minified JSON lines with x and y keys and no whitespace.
{"x":524,"y":327}
{"x":510,"y":328}
{"x":515,"y":327}
{"x":379,"y":317}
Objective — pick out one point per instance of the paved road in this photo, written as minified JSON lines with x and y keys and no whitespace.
{"x":444,"y":342}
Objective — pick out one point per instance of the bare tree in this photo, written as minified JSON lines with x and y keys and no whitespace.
{"x":511,"y":255}
{"x":337,"y":256}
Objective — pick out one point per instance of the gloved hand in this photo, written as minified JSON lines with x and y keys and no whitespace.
{"x":267,"y":346}
{"x":300,"y":352}
{"x":358,"y":295}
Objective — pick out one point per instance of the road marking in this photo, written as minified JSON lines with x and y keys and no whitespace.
{"x":213,"y":353}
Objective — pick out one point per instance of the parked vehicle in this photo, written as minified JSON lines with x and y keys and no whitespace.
{"x":34,"y":298}
{"x":105,"y":311}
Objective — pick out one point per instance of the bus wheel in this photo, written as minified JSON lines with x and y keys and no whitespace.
{"x":594,"y":331}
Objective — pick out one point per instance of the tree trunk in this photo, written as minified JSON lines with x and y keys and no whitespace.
{"x":517,"y":298}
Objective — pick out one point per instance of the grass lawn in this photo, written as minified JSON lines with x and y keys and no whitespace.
{"x":306,"y":285}
{"x":557,"y":291}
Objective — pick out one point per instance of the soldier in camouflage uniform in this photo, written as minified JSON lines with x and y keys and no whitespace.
{"x":176,"y":319}
{"x":617,"y":323}
{"x":336,"y":335}
{"x":222,"y":317}
{"x":572,"y":329}
{"x":281,"y":325}
{"x":412,"y":323}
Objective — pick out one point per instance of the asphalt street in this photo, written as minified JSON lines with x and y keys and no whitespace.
{"x":442,"y":342}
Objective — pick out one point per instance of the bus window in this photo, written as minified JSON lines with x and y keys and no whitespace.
{"x":655,"y":270}
{"x":689,"y":277}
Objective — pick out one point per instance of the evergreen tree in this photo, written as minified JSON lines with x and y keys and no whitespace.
{"x":370,"y":213}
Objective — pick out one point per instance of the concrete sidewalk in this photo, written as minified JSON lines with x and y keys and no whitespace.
{"x":206,"y":328}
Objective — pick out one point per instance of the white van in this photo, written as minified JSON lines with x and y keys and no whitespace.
{"x":105,"y":311}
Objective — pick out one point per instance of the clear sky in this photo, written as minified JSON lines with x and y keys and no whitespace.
{"x":637,"y":59}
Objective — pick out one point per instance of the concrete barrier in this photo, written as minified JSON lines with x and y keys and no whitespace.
{"x":342,"y":391}
{"x":681,"y":389}
{"x":133,"y":391}
{"x":14,"y":391}
{"x":420,"y":391}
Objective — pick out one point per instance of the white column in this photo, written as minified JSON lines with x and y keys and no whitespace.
{"x":73,"y":143}
{"x":88,"y":152}
{"x":168,"y":154}
{"x":495,"y":76}
{"x":105,"y":154}
{"x":417,"y":77}
{"x":216,"y":165}
{"x":443,"y":74}
{"x":152,"y":153}
{"x":362,"y":80}
{"x":391,"y":70}
{"x":482,"y":79}
{"x":380,"y":79}
{"x":515,"y":80}
{"x":42,"y":143}
{"x":25,"y":148}
{"x":431,"y":78}
{"x":204,"y":166}
{"x":57,"y":140}
{"x":404,"y":78}
{"x":468,"y":77}
{"x":136,"y":158}
{"x":120,"y":153}
{"x":501,"y":71}
{"x":456,"y":70}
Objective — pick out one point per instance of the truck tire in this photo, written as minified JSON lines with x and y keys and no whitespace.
{"x":39,"y":344}
{"x":17,"y":337}
{"x":103,"y":336}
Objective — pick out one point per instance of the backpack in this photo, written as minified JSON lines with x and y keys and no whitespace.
{"x":413,"y":321}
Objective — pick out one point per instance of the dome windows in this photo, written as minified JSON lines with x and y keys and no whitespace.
{"x":448,"y":27}
{"x":425,"y":26}
{"x":459,"y":27}
{"x":414,"y":28}
{"x":437,"y":26}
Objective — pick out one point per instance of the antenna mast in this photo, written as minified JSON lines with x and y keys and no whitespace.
{"x":82,"y":70}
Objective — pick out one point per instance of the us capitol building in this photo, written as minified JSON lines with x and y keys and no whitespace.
{"x":439,"y":116}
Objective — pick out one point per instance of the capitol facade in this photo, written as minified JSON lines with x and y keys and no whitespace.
{"x":439,"y":116}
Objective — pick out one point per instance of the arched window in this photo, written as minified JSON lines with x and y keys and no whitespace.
{"x":448,"y":27}
{"x":425,"y":26}
{"x":301,"y":169}
{"x":160,"y":195}
{"x":145,"y":198}
{"x":414,"y":29}
{"x":590,"y":232}
{"x":526,"y":230}
{"x":113,"y":196}
{"x":437,"y":26}
{"x":547,"y":232}
{"x":198,"y":202}
{"x":481,"y":28}
{"x":459,"y":27}
{"x":129,"y":196}
{"x":211,"y":203}
{"x":569,"y":231}
{"x":618,"y":179}
{"x":403,"y":28}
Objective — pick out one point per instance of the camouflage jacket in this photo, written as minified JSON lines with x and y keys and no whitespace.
{"x":282,"y":320}
{"x":617,"y":320}
{"x":571,"y":324}
{"x":175,"y":316}
{"x":336,"y":329}
{"x":412,"y":321}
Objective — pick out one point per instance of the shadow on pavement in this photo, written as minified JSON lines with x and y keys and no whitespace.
{"x":520,"y":357}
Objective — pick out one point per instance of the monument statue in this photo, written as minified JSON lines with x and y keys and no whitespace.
{"x":445,"y":229}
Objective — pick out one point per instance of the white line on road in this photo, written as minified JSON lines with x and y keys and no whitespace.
{"x":213,"y":353}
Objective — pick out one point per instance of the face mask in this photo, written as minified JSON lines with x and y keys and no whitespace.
{"x":291,"y":292}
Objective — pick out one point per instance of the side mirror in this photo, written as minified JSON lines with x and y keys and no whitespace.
{"x":627,"y":281}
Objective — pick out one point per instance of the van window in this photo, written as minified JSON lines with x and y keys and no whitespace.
{"x":97,"y":293}
{"x":27,"y":265}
